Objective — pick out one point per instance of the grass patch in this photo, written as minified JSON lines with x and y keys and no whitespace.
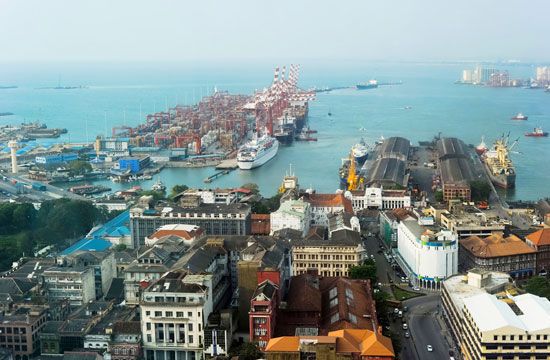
{"x":402,"y":294}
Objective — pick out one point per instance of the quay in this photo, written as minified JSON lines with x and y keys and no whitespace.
{"x":227,"y":164}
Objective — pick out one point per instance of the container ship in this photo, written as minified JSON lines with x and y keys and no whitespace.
{"x":360,"y":152}
{"x":257,"y":152}
{"x":372,"y":84}
{"x":286,"y":129}
{"x":498,"y":164}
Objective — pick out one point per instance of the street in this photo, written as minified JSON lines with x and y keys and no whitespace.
{"x":422,"y":315}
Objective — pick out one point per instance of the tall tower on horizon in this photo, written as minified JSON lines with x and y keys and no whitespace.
{"x":13,"y":145}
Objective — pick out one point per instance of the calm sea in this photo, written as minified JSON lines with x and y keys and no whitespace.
{"x":118,"y":94}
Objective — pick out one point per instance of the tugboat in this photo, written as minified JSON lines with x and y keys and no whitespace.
{"x":482,"y":147}
{"x":519,"y":116}
{"x":498,"y":164}
{"x":537,"y":132}
{"x":158,"y":186}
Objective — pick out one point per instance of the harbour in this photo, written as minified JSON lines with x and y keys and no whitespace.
{"x":354,"y":115}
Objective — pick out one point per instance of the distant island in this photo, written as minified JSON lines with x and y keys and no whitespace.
{"x":8,"y":87}
{"x":5,"y":113}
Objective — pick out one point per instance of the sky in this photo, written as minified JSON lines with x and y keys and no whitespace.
{"x":208,"y":30}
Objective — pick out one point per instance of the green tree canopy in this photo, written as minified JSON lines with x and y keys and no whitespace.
{"x":79,"y":167}
{"x":252,"y":187}
{"x":481,"y":190}
{"x":539,"y":285}
{"x":365,"y":271}
{"x":176,"y":189}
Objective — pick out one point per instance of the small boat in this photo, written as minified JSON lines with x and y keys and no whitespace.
{"x":158,"y":186}
{"x":537,"y":132}
{"x":520,"y":116}
{"x":482,"y":147}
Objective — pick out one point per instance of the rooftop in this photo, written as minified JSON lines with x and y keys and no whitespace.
{"x":359,"y":341}
{"x":342,"y":237}
{"x":452,"y":148}
{"x":540,"y":237}
{"x":185,"y":231}
{"x":495,"y":245}
{"x":387,"y":170}
{"x":395,"y":146}
{"x":329,"y":200}
{"x":173,"y":282}
{"x":490,"y":313}
{"x":456,"y":170}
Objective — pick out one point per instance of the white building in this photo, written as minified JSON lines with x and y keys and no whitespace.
{"x":322,"y":205}
{"x":214,"y":196}
{"x":427,"y":254}
{"x":174,"y":311}
{"x":292,"y":214}
{"x":74,"y":284}
{"x":378,"y":198}
{"x":112,"y":146}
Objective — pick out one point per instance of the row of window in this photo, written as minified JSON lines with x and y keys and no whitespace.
{"x":170,"y":314}
{"x":520,"y":337}
{"x":171,"y":326}
{"x":323,"y":265}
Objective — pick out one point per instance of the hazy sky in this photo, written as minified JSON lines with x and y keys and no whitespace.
{"x":163,"y":30}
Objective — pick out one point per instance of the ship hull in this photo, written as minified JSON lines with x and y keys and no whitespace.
{"x":366,"y":86}
{"x":360,"y":160}
{"x":285,"y":139}
{"x":503,"y":181}
{"x":259,"y":161}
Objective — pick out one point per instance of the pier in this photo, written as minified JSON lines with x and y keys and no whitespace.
{"x":216,"y":175}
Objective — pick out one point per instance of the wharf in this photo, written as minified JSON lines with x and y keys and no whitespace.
{"x":217,"y":175}
{"x":227,"y":164}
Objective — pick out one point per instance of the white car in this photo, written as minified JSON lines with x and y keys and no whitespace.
{"x":429,"y":348}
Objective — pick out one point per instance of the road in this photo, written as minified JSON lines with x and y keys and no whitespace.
{"x":51,"y":192}
{"x":421,"y":318}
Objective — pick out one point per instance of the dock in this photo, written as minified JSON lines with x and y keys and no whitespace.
{"x":227,"y":164}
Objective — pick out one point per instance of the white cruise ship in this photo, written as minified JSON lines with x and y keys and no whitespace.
{"x":257,"y":152}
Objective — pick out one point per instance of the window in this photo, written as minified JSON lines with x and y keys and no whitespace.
{"x":189,"y":314}
{"x":169,"y":314}
{"x":190,"y":327}
{"x":334,"y":318}
{"x":190,"y":338}
{"x":149,"y":338}
{"x":179,"y":314}
{"x":495,"y":338}
{"x":148,"y":326}
{"x":158,"y":313}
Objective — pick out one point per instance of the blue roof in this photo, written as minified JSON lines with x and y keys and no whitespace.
{"x":94,"y":244}
{"x":119,"y":232}
{"x":94,"y":241}
{"x":112,"y":225}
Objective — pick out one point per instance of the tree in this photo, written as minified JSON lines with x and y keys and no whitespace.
{"x":254,"y":188}
{"x":538,"y":285}
{"x":365,"y":271}
{"x":438,"y":196}
{"x":79,"y":167}
{"x":177,"y":189}
{"x":480,"y":190}
{"x":249,"y":351}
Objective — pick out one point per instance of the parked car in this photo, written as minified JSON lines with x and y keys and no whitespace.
{"x":405,"y":308}
{"x":429,"y":348}
{"x":405,"y":327}
{"x":407,"y":335}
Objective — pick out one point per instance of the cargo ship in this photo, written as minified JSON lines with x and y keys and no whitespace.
{"x":520,"y":116}
{"x":286,"y":129}
{"x":360,"y":152}
{"x":257,"y":152}
{"x":498,"y":164}
{"x":537,"y":132}
{"x":372,"y":84}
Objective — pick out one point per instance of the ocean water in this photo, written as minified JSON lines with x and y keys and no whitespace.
{"x":118,"y":94}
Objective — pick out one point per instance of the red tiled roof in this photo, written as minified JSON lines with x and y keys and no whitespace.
{"x":495,"y":245}
{"x":329,"y":200}
{"x":260,"y":224}
{"x":540,"y":237}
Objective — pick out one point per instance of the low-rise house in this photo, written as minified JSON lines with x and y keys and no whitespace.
{"x":322,"y":205}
